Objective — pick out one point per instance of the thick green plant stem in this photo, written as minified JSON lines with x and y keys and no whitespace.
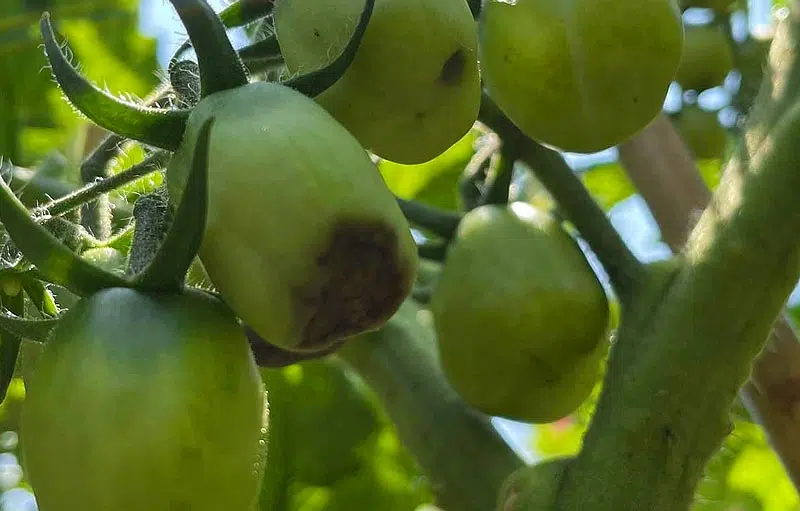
{"x":458,"y":449}
{"x":152,"y":163}
{"x":498,"y":186}
{"x":152,"y":216}
{"x":552,"y":170}
{"x":438,"y":221}
{"x":684,"y":350}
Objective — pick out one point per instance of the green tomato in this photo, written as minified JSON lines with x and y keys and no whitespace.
{"x":533,"y":487}
{"x":145,"y":401}
{"x":413,"y":89}
{"x":110,"y":259}
{"x":580,"y":75}
{"x":303,"y":239}
{"x":519,"y":314}
{"x":702,"y":132}
{"x":707,"y":58}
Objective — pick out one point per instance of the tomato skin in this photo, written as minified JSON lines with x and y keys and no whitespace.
{"x":580,"y":75}
{"x":519,"y":314}
{"x":413,"y":89}
{"x":145,"y":401}
{"x":707,"y":58}
{"x":302,"y":230}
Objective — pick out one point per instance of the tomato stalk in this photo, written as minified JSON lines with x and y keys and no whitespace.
{"x":438,"y":221}
{"x":708,"y":323}
{"x":499,"y":183}
{"x":552,"y":170}
{"x":157,"y":160}
{"x":457,"y":447}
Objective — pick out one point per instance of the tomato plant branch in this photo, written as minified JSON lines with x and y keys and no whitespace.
{"x":555,"y":174}
{"x":499,"y":183}
{"x":458,"y":449}
{"x":664,"y":173}
{"x":152,"y":163}
{"x":438,"y":221}
{"x":687,"y":344}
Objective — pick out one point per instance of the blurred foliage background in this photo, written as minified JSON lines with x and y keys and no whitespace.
{"x":332,"y":446}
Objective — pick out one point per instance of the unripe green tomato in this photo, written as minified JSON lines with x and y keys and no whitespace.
{"x":145,"y":401}
{"x":303,"y":239}
{"x":707,"y":58}
{"x":533,"y":487}
{"x":702,"y":132}
{"x":413,"y":89}
{"x":580,"y":75}
{"x":110,"y":259}
{"x":519,"y":314}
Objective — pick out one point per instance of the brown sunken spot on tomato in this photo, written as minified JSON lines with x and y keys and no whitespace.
{"x":364,"y":281}
{"x":453,"y":68}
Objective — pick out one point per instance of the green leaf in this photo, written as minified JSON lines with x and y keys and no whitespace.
{"x":435,"y":182}
{"x":608,"y":184}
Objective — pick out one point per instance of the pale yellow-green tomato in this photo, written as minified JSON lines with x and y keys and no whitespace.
{"x":413,"y":89}
{"x":707,"y":58}
{"x":303,"y":239}
{"x":702,"y":132}
{"x":580,"y":75}
{"x":519,"y":314}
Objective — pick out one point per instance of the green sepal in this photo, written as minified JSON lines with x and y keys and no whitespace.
{"x":262,"y":54}
{"x":220,"y":65}
{"x":41,"y":297}
{"x":317,"y":82}
{"x":238,"y":14}
{"x":152,"y":126}
{"x":9,"y":342}
{"x":168,"y":268}
{"x":36,"y":330}
{"x":53,"y":260}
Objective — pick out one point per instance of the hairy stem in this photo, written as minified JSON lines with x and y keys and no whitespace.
{"x":664,"y":173}
{"x":458,"y":449}
{"x":686,"y":346}
{"x":91,"y":192}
